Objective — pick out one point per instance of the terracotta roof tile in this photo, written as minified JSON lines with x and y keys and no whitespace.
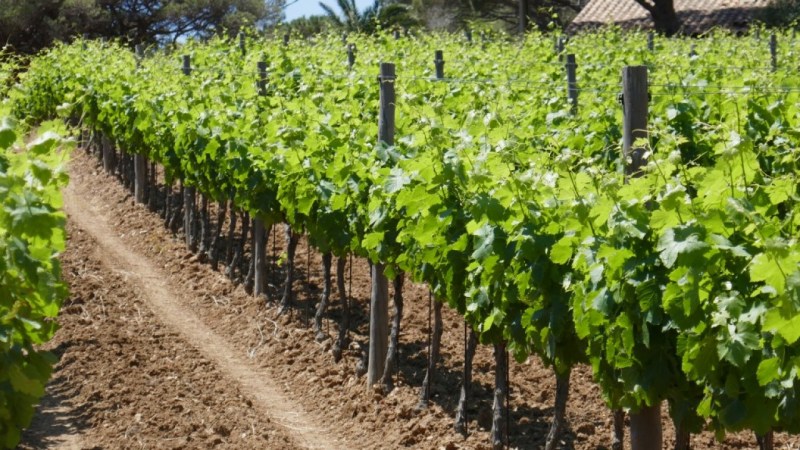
{"x":697,"y":16}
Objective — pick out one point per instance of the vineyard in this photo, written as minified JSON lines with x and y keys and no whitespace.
{"x":616,"y":200}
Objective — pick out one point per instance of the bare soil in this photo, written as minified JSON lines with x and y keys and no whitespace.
{"x":158,"y":350}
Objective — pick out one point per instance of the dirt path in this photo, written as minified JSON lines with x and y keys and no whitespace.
{"x":173,"y":312}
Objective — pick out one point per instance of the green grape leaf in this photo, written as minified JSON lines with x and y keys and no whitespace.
{"x":765,"y":268}
{"x":768,"y":371}
{"x":7,"y":134}
{"x":680,"y":240}
{"x":396,"y":180}
{"x":484,"y":239}
{"x":724,"y":244}
{"x":24,"y":383}
{"x":561,"y":252}
{"x":789,"y":329}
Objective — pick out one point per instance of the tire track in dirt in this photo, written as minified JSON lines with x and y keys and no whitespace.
{"x":176,"y":314}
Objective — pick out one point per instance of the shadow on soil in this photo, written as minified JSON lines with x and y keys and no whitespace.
{"x":57,"y":417}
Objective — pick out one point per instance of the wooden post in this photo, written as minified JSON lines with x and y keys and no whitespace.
{"x":139,"y":161}
{"x":646,"y":422}
{"x":378,"y":325}
{"x":468,"y":35}
{"x":262,"y":77}
{"x":242,"y":44}
{"x":646,"y":428}
{"x":187,"y":65}
{"x":379,"y":299}
{"x":651,"y":41}
{"x":635,"y":111}
{"x":188,"y":191}
{"x":109,"y":155}
{"x":259,"y":228}
{"x":351,"y":55}
{"x":438,"y":62}
{"x":572,"y":83}
{"x":387,"y":104}
{"x":260,"y":257}
{"x":773,"y":51}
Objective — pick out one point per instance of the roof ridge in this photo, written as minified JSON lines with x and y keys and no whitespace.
{"x":697,"y":15}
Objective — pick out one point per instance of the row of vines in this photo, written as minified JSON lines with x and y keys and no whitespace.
{"x":31,"y":290}
{"x":680,"y":285}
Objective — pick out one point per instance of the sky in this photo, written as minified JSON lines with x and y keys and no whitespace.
{"x":311,"y":7}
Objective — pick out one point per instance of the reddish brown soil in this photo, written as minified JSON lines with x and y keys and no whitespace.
{"x":129,"y":377}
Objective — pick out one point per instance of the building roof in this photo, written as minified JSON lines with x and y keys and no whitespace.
{"x":697,"y":16}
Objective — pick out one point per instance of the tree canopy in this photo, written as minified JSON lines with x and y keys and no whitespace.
{"x":29,"y":25}
{"x":32,"y":24}
{"x":452,"y":14}
{"x":382,"y":14}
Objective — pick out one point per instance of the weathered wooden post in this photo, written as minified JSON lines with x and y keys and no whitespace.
{"x":435,"y":307}
{"x":188,"y":191}
{"x":351,"y":55}
{"x":259,"y":229}
{"x":262,"y":78}
{"x":139,"y":160}
{"x":646,"y":422}
{"x":572,"y":84}
{"x":635,"y":110}
{"x":109,"y":155}
{"x":379,"y":299}
{"x":773,"y":51}
{"x":438,"y":64}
